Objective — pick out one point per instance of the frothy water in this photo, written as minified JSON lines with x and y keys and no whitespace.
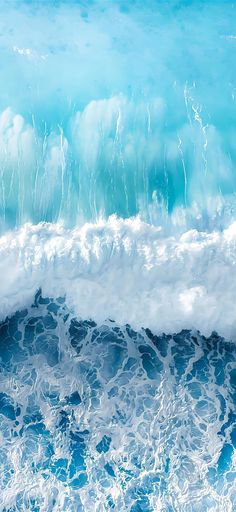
{"x":117,"y":224}
{"x":102,"y":417}
{"x":128,"y":271}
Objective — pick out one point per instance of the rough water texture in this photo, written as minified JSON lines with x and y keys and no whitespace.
{"x":100,"y":417}
{"x":117,"y":200}
{"x":128,"y":271}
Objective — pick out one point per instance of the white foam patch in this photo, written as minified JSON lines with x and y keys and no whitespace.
{"x":125,"y":270}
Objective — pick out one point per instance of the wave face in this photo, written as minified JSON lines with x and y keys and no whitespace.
{"x":112,"y":108}
{"x":102,"y":417}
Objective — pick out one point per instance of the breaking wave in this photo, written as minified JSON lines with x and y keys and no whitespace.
{"x":117,"y":256}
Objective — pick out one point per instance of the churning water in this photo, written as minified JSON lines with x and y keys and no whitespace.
{"x":117,"y":256}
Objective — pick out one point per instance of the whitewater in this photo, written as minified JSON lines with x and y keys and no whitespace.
{"x":117,"y":256}
{"x":126,"y":271}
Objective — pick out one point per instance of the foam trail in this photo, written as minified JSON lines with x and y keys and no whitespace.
{"x":127,"y":271}
{"x":101,"y":417}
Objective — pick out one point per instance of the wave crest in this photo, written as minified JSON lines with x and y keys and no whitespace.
{"x":125,"y":270}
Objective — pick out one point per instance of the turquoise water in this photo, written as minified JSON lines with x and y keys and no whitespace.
{"x":117,"y":108}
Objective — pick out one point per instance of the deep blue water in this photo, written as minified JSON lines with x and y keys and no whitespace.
{"x":101,"y":417}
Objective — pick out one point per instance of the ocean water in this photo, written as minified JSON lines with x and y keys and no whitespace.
{"x":117,"y":256}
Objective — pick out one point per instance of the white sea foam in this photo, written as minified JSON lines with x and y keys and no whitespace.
{"x":125,"y":270}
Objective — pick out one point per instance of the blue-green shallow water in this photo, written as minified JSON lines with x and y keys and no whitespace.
{"x":100,"y":417}
{"x":117,"y":107}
